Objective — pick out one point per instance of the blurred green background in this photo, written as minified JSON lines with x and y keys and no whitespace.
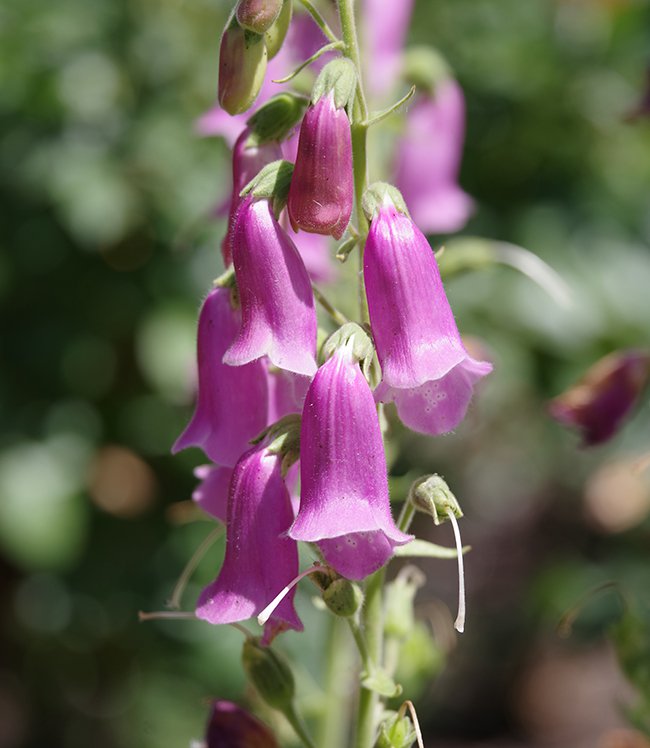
{"x":106,"y":250}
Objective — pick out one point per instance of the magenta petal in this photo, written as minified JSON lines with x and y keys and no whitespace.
{"x":212,"y":492}
{"x":344,"y":484}
{"x":322,"y":187}
{"x":260,"y":559}
{"x":278,"y":314}
{"x":428,"y":160}
{"x":232,"y":404}
{"x":286,"y":393}
{"x":425,"y":367}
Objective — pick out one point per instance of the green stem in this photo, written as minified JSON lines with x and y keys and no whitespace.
{"x":333,"y":312}
{"x":406,"y":515}
{"x":301,"y":731}
{"x":333,"y":729}
{"x":321,"y":22}
{"x":361,"y":643}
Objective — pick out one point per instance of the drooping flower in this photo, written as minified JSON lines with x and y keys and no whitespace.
{"x":247,"y":160}
{"x":385,"y":25}
{"x":428,"y":160}
{"x":230,"y":726}
{"x":233,"y":403}
{"x":278,"y":314}
{"x":598,"y":404}
{"x":242,"y":67}
{"x":322,"y":187}
{"x":315,"y":252}
{"x":426,"y":370}
{"x":260,"y":559}
{"x":344,"y":503}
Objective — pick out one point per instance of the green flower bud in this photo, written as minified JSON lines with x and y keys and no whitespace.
{"x":377,"y":194}
{"x":432,"y":495}
{"x":258,"y":15}
{"x":270,"y":674}
{"x":275,"y":119}
{"x":242,"y":66}
{"x":343,"y":598}
{"x":396,"y":731}
{"x":274,"y":37}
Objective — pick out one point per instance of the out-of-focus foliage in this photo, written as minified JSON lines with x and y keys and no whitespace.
{"x":106,"y":249}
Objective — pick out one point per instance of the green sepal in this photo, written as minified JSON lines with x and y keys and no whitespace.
{"x":424,"y":549}
{"x":363,"y":349}
{"x":425,"y":68}
{"x":343,"y":597}
{"x":226,"y":279}
{"x":432,"y":495}
{"x":380,"y":193}
{"x":275,"y":119}
{"x":274,"y":37}
{"x":396,"y":731}
{"x":270,"y":673}
{"x":271,"y":183}
{"x":380,"y":682}
{"x":339,"y":76}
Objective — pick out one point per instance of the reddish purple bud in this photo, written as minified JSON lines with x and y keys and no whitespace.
{"x":426,"y":370}
{"x":232,"y":404}
{"x":230,"y":726}
{"x":278,"y":314}
{"x":428,"y":160}
{"x":322,"y":186}
{"x":260,"y":559}
{"x":247,"y":160}
{"x":598,"y":404}
{"x":344,"y":503}
{"x":242,"y":67}
{"x":258,"y":15}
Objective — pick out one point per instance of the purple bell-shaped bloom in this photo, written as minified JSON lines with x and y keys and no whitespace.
{"x":344,"y":503}
{"x":429,"y":157}
{"x":233,"y":403}
{"x":426,"y":370}
{"x":277,"y":303}
{"x":260,"y":559}
{"x":247,"y":160}
{"x":322,"y":186}
{"x":212,"y":492}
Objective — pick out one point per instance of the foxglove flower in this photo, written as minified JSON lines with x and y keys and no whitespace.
{"x":385,"y":25}
{"x":260,"y":559}
{"x":426,"y":370}
{"x":212,"y":492}
{"x":247,"y":160}
{"x":322,"y":186}
{"x":428,"y":160}
{"x":232,"y":404}
{"x":278,"y":314}
{"x":598,"y":404}
{"x":230,"y":726}
{"x":344,"y":503}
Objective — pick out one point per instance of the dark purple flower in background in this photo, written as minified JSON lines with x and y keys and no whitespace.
{"x":344,"y":502}
{"x":598,"y":404}
{"x":322,"y":187}
{"x":260,"y":559}
{"x":426,"y":370}
{"x":230,"y":726}
{"x":277,"y":303}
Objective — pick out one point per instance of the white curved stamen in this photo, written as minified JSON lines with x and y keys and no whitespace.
{"x":459,"y":623}
{"x":264,"y":616}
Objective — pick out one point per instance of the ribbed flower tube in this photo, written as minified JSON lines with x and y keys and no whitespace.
{"x":344,"y":502}
{"x":260,"y":559}
{"x":322,"y":187}
{"x":277,"y":303}
{"x":426,"y":370}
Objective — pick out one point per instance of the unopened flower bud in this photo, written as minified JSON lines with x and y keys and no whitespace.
{"x":258,"y":15}
{"x":432,"y":495}
{"x":343,"y":598}
{"x":275,"y":36}
{"x":275,"y":119}
{"x":600,"y":401}
{"x":270,"y":674}
{"x":230,"y":726}
{"x":396,"y":732}
{"x":242,"y":66}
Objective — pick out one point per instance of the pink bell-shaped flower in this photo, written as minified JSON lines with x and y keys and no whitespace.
{"x":247,"y":160}
{"x":232,"y":404}
{"x":322,"y":187}
{"x":344,"y":503}
{"x":277,"y":303}
{"x":260,"y":559}
{"x":426,"y":370}
{"x":428,"y":160}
